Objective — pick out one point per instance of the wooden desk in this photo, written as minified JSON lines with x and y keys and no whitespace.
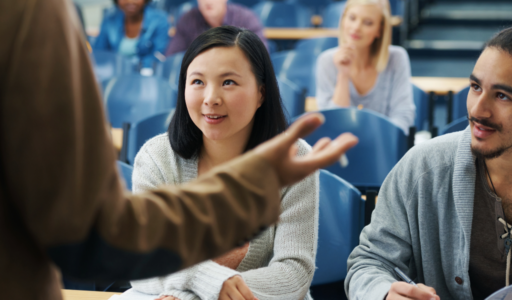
{"x":117,"y":138}
{"x":440,"y":85}
{"x":86,"y":295}
{"x":298,"y":33}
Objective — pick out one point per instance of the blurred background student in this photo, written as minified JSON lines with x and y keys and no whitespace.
{"x":209,"y":14}
{"x":136,"y":30}
{"x":365,"y":69}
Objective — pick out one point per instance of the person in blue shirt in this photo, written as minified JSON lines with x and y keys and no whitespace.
{"x":136,"y":30}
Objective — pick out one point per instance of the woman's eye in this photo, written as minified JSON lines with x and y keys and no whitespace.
{"x":502,"y":96}
{"x":352,"y":17}
{"x":197,"y":81}
{"x":228,"y":82}
{"x":368,"y":23}
{"x":475,"y":87}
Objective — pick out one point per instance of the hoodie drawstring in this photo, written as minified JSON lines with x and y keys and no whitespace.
{"x":508,"y":243}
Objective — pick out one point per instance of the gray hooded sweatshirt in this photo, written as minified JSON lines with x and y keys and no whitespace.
{"x":421,"y":223}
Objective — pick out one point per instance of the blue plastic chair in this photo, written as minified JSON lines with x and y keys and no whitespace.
{"x":381,"y":144}
{"x":171,"y":5}
{"x":341,"y":220}
{"x":459,"y":106}
{"x":135,"y":135}
{"x":246,"y":3}
{"x":421,"y":101}
{"x":316,"y":6}
{"x":293,"y":98}
{"x":170,"y":69}
{"x":457,"y":125}
{"x":296,"y":66}
{"x":131,"y":98}
{"x":332,"y":14}
{"x":126,"y":171}
{"x":107,"y":65}
{"x":317,"y":45}
{"x":282,"y":14}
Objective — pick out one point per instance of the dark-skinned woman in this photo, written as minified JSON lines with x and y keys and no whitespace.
{"x":136,"y":30}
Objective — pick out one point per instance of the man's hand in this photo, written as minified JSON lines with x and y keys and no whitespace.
{"x":403,"y":290}
{"x":167,"y":298}
{"x":281,"y":150}
{"x":235,"y":289}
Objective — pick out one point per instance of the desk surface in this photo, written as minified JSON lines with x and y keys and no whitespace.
{"x":440,"y":85}
{"x":86,"y":295}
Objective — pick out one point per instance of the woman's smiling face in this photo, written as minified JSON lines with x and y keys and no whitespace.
{"x":222,"y":93}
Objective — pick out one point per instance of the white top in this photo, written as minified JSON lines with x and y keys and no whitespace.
{"x":391,"y":95}
{"x":279,"y":264}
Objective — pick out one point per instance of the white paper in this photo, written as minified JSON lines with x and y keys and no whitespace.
{"x":132,"y":294}
{"x":503,"y":294}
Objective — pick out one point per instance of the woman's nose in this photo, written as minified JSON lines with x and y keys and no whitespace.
{"x":212,"y":97}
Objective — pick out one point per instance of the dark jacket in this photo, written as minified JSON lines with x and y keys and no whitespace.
{"x":61,"y":200}
{"x":154,"y":34}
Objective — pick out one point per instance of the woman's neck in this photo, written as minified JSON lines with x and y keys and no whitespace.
{"x":214,"y":153}
{"x":134,"y":19}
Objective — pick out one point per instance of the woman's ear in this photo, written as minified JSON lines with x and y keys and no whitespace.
{"x":261,"y":95}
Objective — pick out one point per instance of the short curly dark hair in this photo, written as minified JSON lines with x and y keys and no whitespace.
{"x":145,"y":1}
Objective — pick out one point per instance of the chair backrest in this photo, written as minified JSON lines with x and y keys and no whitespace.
{"x":457,"y":125}
{"x":332,"y":14}
{"x":293,"y":98}
{"x":131,"y":98}
{"x":282,"y":14}
{"x":381,"y":144}
{"x":316,"y":6}
{"x":341,"y":214}
{"x":170,"y":69}
{"x":107,"y":64}
{"x":421,"y":101}
{"x":140,"y":132}
{"x":126,"y":171}
{"x":317,"y":45}
{"x":296,"y":66}
{"x":459,"y":108}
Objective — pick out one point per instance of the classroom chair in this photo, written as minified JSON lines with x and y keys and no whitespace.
{"x":315,"y":6}
{"x":421,"y":101}
{"x":125,"y":170}
{"x":293,"y":98}
{"x":332,"y":14}
{"x":282,"y":14}
{"x":107,"y":64}
{"x":316,"y":46}
{"x":457,"y":125}
{"x":131,"y":98}
{"x":340,"y":220}
{"x":381,"y":144}
{"x":175,"y":12}
{"x":459,"y":104}
{"x":296,"y":66}
{"x":138,"y":133}
{"x":170,"y":69}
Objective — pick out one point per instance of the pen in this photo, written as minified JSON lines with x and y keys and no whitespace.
{"x":404,"y":277}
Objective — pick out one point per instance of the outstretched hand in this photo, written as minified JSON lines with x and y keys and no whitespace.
{"x":281,"y":150}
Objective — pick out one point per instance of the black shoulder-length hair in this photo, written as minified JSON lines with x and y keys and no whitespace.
{"x":185,"y":137}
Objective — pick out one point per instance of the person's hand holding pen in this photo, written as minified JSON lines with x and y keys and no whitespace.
{"x":407,"y":289}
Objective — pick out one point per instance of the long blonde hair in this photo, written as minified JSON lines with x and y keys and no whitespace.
{"x":379,"y":50}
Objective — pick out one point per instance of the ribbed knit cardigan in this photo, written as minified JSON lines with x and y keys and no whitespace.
{"x":279,"y":264}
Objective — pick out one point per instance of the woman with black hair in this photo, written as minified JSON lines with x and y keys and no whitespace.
{"x":136,"y":30}
{"x":228,"y":103}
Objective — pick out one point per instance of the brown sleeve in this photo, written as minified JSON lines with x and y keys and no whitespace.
{"x":59,"y":171}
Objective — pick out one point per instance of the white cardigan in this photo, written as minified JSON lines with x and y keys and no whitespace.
{"x":279,"y":264}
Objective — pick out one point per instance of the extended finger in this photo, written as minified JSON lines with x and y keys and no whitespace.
{"x":330,"y":153}
{"x":427,"y":288}
{"x":303,"y":126}
{"x":321,"y":144}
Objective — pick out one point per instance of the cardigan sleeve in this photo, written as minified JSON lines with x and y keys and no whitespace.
{"x":291,"y":269}
{"x":326,"y":75}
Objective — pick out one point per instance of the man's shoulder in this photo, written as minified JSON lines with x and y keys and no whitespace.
{"x":436,"y":153}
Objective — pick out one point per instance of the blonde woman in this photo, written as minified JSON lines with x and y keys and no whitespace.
{"x":365,"y":69}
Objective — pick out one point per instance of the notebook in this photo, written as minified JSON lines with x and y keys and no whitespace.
{"x":503,"y":294}
{"x":132,"y":294}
